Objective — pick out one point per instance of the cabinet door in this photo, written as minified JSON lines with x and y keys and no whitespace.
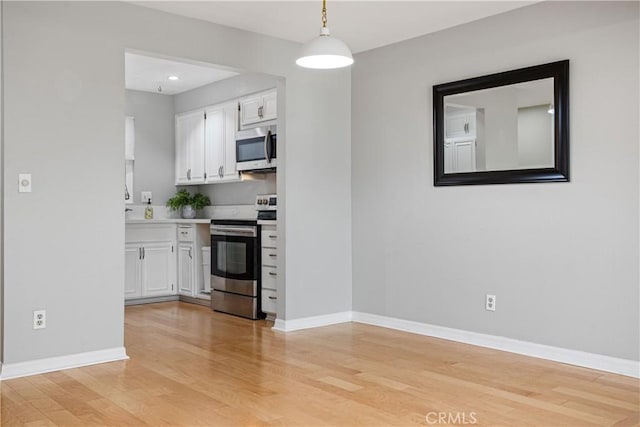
{"x":132,"y":271}
{"x":456,"y":125}
{"x":229,"y":171}
{"x":464,"y":155}
{"x":471,"y":124}
{"x":186,"y":270}
{"x":190,"y":148}
{"x":158,"y":269}
{"x":250,"y":110}
{"x":269,"y":106}
{"x":214,"y":143}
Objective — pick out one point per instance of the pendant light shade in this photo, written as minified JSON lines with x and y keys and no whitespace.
{"x":325,"y":52}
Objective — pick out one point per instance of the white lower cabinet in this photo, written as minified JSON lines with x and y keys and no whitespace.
{"x":269,"y":294}
{"x":164,"y":259}
{"x":150,"y":261}
{"x":191,"y":280}
{"x":149,"y":270}
{"x":158,"y":269}
{"x":186,"y":269}
{"x":132,"y":271}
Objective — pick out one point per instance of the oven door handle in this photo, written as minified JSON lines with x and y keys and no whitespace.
{"x":231,"y":231}
{"x":267,"y":146}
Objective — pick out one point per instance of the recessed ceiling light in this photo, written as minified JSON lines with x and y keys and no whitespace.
{"x":174,"y":78}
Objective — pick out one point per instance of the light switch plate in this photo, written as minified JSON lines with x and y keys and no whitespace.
{"x":24,"y":183}
{"x":145,"y":196}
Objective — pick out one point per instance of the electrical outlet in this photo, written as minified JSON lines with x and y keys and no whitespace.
{"x":490,"y":302}
{"x":39,"y":319}
{"x":145,"y":196}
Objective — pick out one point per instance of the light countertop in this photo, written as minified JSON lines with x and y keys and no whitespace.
{"x":169,"y":221}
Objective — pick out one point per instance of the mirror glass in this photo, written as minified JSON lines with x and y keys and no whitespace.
{"x":501,"y":128}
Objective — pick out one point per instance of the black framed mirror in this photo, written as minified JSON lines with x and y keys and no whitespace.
{"x":509,"y":127}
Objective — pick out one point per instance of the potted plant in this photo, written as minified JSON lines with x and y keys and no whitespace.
{"x":187,"y":203}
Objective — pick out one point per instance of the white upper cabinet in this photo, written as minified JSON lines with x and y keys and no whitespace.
{"x":269,"y":106}
{"x":459,"y":125}
{"x":190,"y":148}
{"x":258,"y":108}
{"x":220,"y":143}
{"x":206,"y":138}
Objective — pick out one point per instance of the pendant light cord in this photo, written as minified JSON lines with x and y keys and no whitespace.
{"x":324,"y":13}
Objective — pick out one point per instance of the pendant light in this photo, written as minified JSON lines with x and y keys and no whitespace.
{"x":325,"y":52}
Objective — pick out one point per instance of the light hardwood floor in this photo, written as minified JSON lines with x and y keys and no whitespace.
{"x":190,"y":366}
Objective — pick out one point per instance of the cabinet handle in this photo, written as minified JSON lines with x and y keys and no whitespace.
{"x":139,"y":253}
{"x":272,"y":255}
{"x":273,"y":236}
{"x":270,"y":297}
{"x":190,"y":256}
{"x":144,"y":253}
{"x":260,"y":111}
{"x":189,"y":174}
{"x":271,"y":273}
{"x":222,"y":171}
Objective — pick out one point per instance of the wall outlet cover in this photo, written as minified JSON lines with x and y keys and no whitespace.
{"x":145,"y":196}
{"x":490,"y":302}
{"x":39,"y":319}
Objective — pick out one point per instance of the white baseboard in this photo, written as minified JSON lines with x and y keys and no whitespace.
{"x":312,"y":322}
{"x":50,"y":364}
{"x":600,"y":362}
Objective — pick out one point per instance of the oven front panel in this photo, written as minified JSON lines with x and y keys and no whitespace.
{"x":234,"y":257}
{"x":240,"y":287}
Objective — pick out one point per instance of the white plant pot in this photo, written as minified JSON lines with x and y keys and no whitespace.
{"x":188,"y":212}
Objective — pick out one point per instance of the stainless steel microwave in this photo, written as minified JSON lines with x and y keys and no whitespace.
{"x":256,"y":148}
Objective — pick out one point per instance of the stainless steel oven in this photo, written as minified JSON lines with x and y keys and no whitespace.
{"x":235,"y":268}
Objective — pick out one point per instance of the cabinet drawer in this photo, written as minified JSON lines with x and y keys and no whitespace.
{"x":269,"y":277}
{"x":269,"y":238}
{"x":269,"y":257}
{"x":185,"y":233}
{"x":269,"y":301}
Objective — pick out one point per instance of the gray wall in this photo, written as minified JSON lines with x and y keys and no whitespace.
{"x":535,"y":137}
{"x":155,"y":148}
{"x":66,"y":61}
{"x":240,"y":193}
{"x":562,"y":258}
{"x":235,"y":193}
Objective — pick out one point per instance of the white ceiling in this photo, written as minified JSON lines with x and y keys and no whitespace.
{"x":146,"y":73}
{"x":363,"y":25}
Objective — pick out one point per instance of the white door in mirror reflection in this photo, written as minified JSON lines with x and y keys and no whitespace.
{"x":460,"y":155}
{"x":501,"y":128}
{"x":460,"y":139}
